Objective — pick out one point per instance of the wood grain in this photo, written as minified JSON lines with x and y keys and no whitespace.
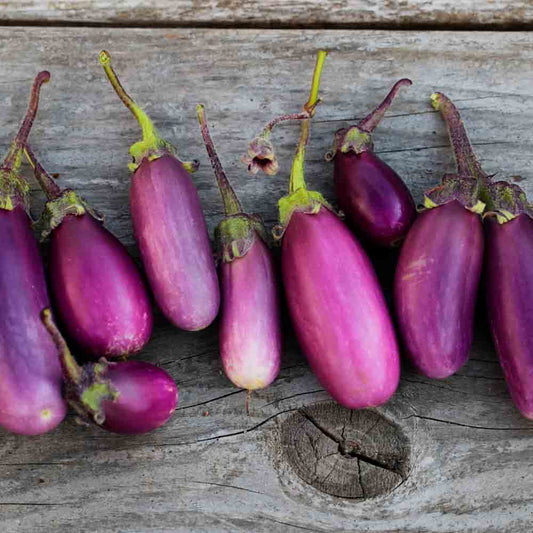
{"x":306,"y":13}
{"x":213,"y":468}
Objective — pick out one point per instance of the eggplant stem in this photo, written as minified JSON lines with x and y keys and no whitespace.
{"x":232,"y":206}
{"x":48,"y":185}
{"x":465,"y":158}
{"x":71,"y":370}
{"x":151,"y":137}
{"x":283,"y":118}
{"x":13,"y":159}
{"x":370,"y":122}
{"x":297,"y":180}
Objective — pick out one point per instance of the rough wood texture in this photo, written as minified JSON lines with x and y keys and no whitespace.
{"x":318,"y":13}
{"x":213,"y":468}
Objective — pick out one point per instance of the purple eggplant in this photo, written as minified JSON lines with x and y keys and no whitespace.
{"x":335,"y":302}
{"x":250,"y":327}
{"x":169,"y":225}
{"x":99,"y":294}
{"x":509,"y":293}
{"x":128,"y":397}
{"x":377,"y":203}
{"x":439,"y":268}
{"x":31,"y":402}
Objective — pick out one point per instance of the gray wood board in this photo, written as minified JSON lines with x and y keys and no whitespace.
{"x":212,"y":467}
{"x":456,"y":13}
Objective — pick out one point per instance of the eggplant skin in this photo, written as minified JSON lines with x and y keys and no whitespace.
{"x":30,"y":371}
{"x":509,"y":294}
{"x":250,"y":326}
{"x":375,"y":200}
{"x":338,"y":310}
{"x":99,"y":294}
{"x":171,"y":232}
{"x":147,"y":397}
{"x":435,"y":288}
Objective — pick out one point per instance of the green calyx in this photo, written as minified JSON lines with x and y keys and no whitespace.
{"x":93,"y":396}
{"x":350,"y":139}
{"x":302,"y":201}
{"x":236,"y":234}
{"x":68,"y":203}
{"x":14,"y":191}
{"x":465,"y":190}
{"x":507,"y":201}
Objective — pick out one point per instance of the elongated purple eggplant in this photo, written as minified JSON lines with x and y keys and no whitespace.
{"x":250,"y":327}
{"x":30,"y":375}
{"x":377,"y":203}
{"x":169,"y":225}
{"x":509,"y":293}
{"x":438,"y":273}
{"x":99,"y":294}
{"x":335,"y":302}
{"x":128,"y":397}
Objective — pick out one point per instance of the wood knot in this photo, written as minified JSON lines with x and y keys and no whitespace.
{"x":349,"y":454}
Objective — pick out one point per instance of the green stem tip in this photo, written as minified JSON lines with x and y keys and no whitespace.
{"x":232,"y":206}
{"x":297,"y":180}
{"x":151,"y":141}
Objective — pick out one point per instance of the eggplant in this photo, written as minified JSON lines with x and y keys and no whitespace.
{"x":126,"y":397}
{"x":377,"y":203}
{"x":335,"y":302}
{"x":169,"y":225}
{"x":31,"y":402}
{"x":509,"y":295}
{"x":439,"y":268}
{"x":250,"y":326}
{"x":99,"y":294}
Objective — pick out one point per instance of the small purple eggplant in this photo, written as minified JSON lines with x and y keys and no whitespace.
{"x":128,"y":397}
{"x":335,"y":302}
{"x":509,"y":293}
{"x":30,"y":374}
{"x":250,"y":326}
{"x":377,"y":203}
{"x":439,"y":268}
{"x":99,"y":294}
{"x":169,"y":225}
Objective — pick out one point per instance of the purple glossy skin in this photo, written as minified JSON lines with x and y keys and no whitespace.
{"x":509,"y":292}
{"x":172,"y":236}
{"x":338,"y":310}
{"x":435,"y":288}
{"x":30,"y":372}
{"x":147,"y":398}
{"x":250,"y":328}
{"x":99,"y":293}
{"x":377,"y":203}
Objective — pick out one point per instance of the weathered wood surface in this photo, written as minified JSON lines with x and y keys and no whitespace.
{"x":360,"y":13}
{"x":213,"y":468}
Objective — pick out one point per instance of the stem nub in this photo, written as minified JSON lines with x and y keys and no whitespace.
{"x":370,"y":122}
{"x":297,"y":180}
{"x":47,"y":183}
{"x":71,"y":370}
{"x":466,"y":160}
{"x":232,"y":206}
{"x":13,"y":158}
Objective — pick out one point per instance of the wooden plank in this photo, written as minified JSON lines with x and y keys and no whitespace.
{"x":213,"y":468}
{"x":318,"y":13}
